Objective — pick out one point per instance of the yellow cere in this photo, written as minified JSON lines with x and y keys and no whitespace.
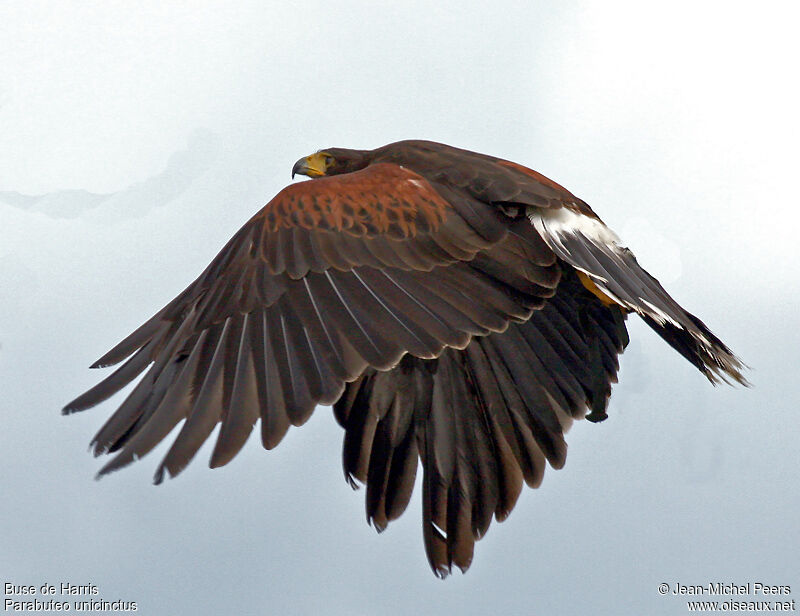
{"x":316,"y":164}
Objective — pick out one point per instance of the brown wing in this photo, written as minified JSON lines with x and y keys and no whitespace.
{"x":332,"y":277}
{"x":578,"y":237}
{"x":482,"y":420}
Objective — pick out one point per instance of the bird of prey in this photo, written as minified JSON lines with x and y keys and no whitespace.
{"x":454,"y":308}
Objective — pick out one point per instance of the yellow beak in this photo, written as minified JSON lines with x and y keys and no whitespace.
{"x":313,"y":166}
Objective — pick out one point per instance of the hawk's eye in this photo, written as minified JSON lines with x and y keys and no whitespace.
{"x":328,"y":160}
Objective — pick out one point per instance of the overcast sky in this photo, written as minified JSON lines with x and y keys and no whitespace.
{"x":138,"y":137}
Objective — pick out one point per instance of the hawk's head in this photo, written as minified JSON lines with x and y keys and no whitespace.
{"x":332,"y":161}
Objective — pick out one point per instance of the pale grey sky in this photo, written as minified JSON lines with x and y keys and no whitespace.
{"x":148,"y":134}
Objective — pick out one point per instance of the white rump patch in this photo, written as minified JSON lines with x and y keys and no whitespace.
{"x":554,"y":223}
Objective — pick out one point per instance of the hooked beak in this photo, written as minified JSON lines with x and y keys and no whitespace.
{"x":313,"y":166}
{"x":300,"y":167}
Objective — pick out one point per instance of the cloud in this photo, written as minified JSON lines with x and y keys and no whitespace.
{"x":181,"y":170}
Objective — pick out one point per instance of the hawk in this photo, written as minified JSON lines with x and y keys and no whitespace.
{"x":456,"y":309}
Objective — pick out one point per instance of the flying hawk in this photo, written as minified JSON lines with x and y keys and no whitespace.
{"x":451,"y":306}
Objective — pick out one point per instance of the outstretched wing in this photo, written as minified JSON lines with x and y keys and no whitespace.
{"x":578,"y":237}
{"x":330,"y":278}
{"x":482,"y":420}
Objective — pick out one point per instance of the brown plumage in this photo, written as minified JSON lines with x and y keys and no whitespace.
{"x":454,"y":308}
